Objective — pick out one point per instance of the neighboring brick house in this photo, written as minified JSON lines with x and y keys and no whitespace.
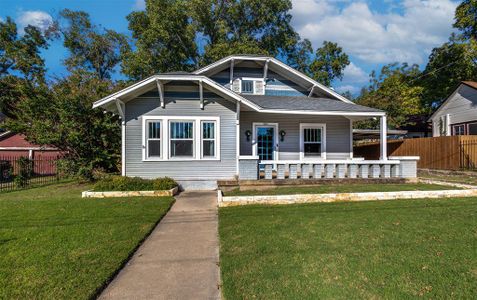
{"x":14,"y":145}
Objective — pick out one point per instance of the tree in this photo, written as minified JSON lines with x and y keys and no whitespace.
{"x":393,"y":91}
{"x":173,"y":35}
{"x":448,"y":65}
{"x":22,"y":68}
{"x":90,"y":138}
{"x":466,"y":19}
{"x":92,"y":48}
{"x":329,"y":63}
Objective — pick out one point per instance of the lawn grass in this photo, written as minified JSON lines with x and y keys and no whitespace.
{"x":370,"y":250}
{"x":56,"y":245}
{"x":470,"y":178}
{"x":341,"y":188}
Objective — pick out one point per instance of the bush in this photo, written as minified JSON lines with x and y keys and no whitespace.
{"x":122,"y":183}
{"x":25,"y":172}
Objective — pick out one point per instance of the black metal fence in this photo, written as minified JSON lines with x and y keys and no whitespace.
{"x":468,"y":154}
{"x":22,"y":172}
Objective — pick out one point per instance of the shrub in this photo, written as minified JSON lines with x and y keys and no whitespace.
{"x":122,"y":183}
{"x":25,"y":172}
{"x":165,"y":183}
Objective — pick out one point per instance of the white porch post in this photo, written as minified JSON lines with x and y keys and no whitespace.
{"x":383,"y":139}
{"x":237,"y":138}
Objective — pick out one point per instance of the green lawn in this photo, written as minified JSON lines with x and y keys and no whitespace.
{"x":342,"y":188}
{"x":56,"y":245}
{"x":388,"y":249}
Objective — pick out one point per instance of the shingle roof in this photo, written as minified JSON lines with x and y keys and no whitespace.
{"x":306,"y":103}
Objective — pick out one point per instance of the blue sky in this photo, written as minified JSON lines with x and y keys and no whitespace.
{"x":373,"y":32}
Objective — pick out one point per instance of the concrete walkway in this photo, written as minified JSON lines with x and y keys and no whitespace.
{"x":179,"y":260}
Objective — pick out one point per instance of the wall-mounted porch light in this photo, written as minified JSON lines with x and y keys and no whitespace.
{"x":282,"y":135}
{"x":248,"y":133}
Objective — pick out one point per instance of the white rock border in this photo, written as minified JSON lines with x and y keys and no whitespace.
{"x":224,"y":201}
{"x":115,"y":194}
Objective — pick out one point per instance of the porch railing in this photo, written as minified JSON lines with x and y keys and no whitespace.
{"x":251,"y":168}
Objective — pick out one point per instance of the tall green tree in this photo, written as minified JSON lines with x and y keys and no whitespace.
{"x":466,"y":19}
{"x":182,"y":35}
{"x":329,"y":63}
{"x":91,"y":47}
{"x":393,"y":91}
{"x":448,"y":65}
{"x":61,"y":116}
{"x":22,"y":68}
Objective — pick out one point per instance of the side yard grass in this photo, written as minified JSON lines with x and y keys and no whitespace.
{"x":382,"y":249}
{"x":341,"y":188}
{"x":56,"y":245}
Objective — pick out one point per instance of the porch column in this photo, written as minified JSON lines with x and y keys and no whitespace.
{"x":383,"y":139}
{"x":237,"y":137}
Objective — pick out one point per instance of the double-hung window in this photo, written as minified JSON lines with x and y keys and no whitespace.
{"x":459,"y":129}
{"x":153,"y":143}
{"x":181,"y":138}
{"x":312,"y":138}
{"x":208,"y":139}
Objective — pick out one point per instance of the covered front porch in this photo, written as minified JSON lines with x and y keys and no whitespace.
{"x":315,"y":145}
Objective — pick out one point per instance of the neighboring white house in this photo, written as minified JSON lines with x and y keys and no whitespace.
{"x":236,"y":116}
{"x":458,"y":113}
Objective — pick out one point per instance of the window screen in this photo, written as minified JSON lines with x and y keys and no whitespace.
{"x":312,"y":142}
{"x":154,"y":139}
{"x":208,"y":139}
{"x":182,"y":139}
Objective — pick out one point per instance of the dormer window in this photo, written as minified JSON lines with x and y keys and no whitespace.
{"x":254,"y":86}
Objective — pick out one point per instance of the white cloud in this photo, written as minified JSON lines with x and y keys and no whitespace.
{"x":353,"y":73}
{"x":353,"y":89}
{"x":36,"y":18}
{"x":139,"y":4}
{"x":373,"y":37}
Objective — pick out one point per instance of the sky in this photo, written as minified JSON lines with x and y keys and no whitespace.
{"x":372,"y":32}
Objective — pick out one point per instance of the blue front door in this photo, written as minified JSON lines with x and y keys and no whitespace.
{"x":266,"y":142}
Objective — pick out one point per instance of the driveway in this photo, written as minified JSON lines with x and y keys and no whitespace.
{"x":179,"y":260}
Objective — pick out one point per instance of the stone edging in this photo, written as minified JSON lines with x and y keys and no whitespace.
{"x":114,"y":194}
{"x":224,"y":201}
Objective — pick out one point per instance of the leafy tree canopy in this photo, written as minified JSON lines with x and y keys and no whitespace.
{"x":92,"y":48}
{"x":393,"y":91}
{"x":448,"y":65}
{"x":466,"y":19}
{"x":173,"y":35}
{"x":22,"y":68}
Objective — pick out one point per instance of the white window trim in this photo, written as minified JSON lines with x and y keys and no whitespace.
{"x":165,"y":141}
{"x":252,"y":79}
{"x":202,"y":140}
{"x":146,"y":137}
{"x":321,"y":126}
{"x":254,"y":138}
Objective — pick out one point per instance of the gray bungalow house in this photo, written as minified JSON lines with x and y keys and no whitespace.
{"x":243,"y":117}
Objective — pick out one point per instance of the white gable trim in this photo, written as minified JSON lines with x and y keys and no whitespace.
{"x":278,"y":63}
{"x":104,"y":102}
{"x":445,"y":103}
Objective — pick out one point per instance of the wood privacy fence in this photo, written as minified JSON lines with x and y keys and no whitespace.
{"x":440,"y":153}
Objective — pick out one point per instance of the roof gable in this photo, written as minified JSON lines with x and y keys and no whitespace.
{"x":278,"y":67}
{"x":470,"y":84}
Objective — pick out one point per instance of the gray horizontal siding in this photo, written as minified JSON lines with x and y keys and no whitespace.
{"x":337,"y":133}
{"x":177,"y":106}
{"x":462,"y":107}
